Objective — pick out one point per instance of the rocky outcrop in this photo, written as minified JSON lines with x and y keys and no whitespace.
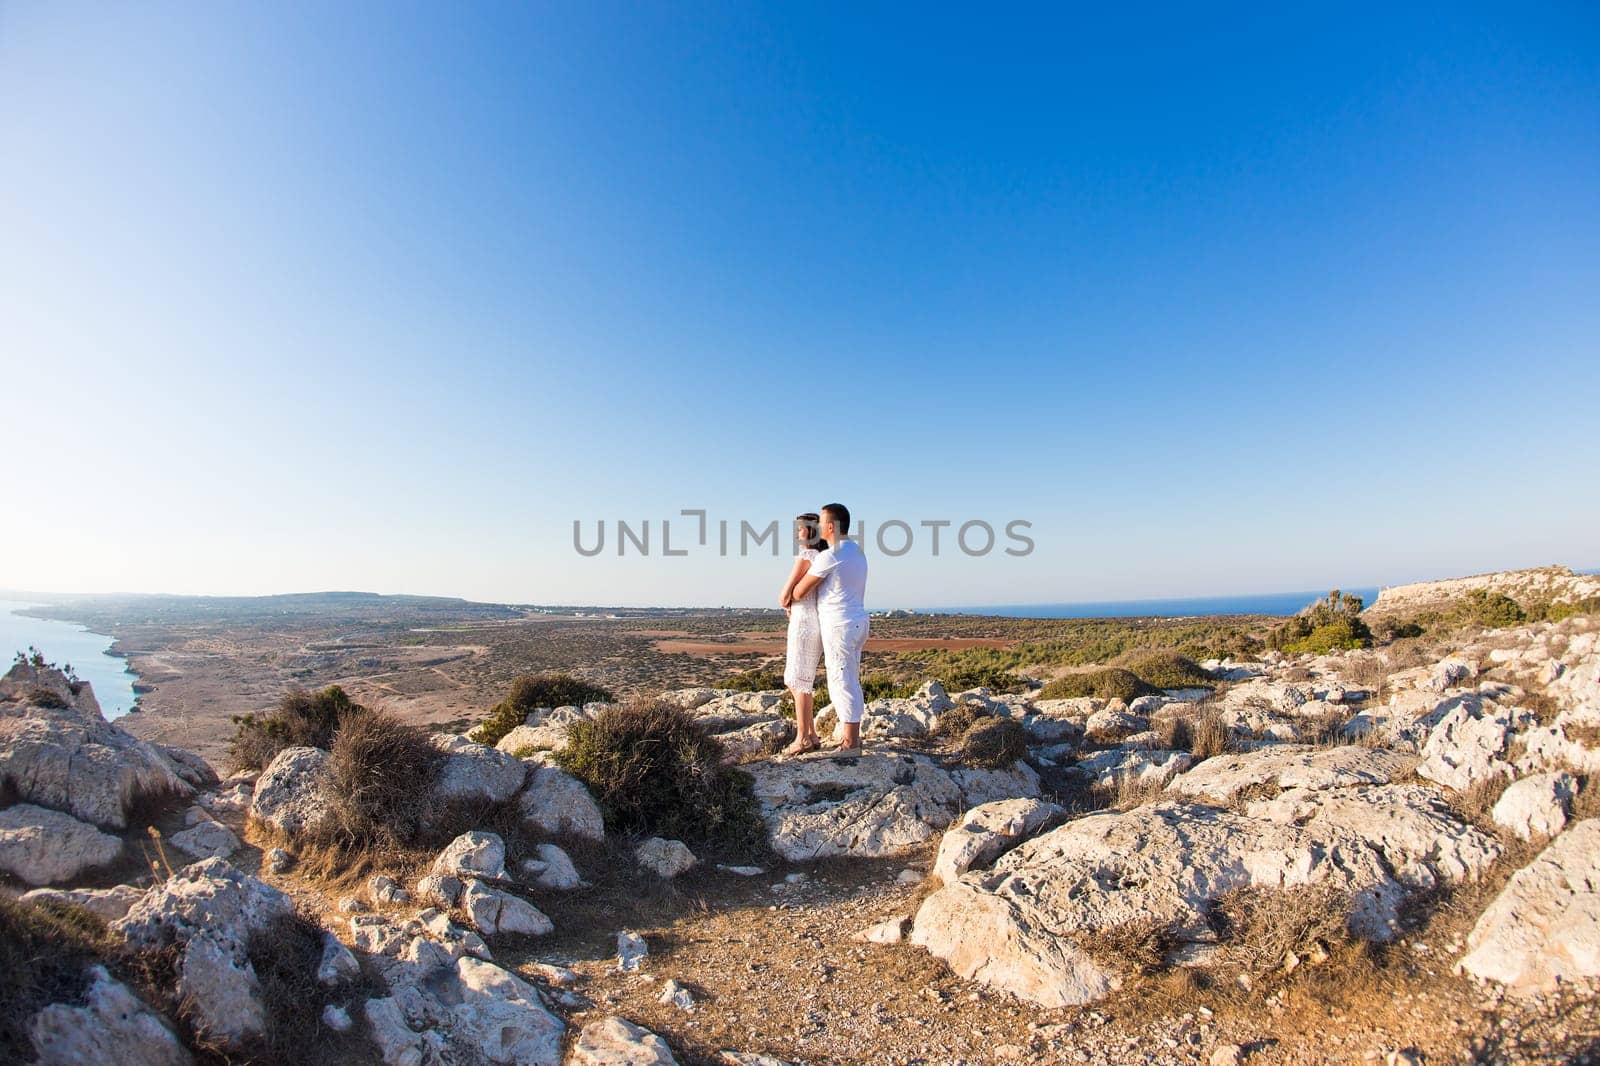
{"x":57,"y":751}
{"x":45,"y":847}
{"x":873,"y":806}
{"x":291,"y":796}
{"x":1557,"y":584}
{"x":211,"y":911}
{"x":1468,"y":743}
{"x":1543,"y":929}
{"x":1012,"y":927}
{"x":1222,"y":778}
{"x":111,"y":1025}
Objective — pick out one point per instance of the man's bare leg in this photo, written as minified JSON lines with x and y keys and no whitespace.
{"x":851,"y":740}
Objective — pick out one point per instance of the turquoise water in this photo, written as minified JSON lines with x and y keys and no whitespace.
{"x":66,"y":642}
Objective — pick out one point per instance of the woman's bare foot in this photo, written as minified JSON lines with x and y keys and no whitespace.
{"x":802,"y":745}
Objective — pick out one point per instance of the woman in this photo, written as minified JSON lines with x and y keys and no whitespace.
{"x":805,"y":637}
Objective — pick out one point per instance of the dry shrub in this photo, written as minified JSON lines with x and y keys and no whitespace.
{"x":1543,"y":708}
{"x":1368,"y":669}
{"x":1325,"y":729}
{"x":957,"y":720}
{"x":1141,"y":943}
{"x":1259,"y":927}
{"x":380,"y":777}
{"x":653,"y":770}
{"x":301,"y":719}
{"x":993,"y":743}
{"x":1165,"y":669}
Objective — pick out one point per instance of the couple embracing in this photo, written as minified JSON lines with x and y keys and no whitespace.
{"x":827,"y":620}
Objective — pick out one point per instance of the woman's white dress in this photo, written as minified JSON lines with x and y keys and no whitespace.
{"x":805,"y":640}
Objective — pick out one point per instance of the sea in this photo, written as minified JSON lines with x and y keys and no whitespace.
{"x":64,"y":643}
{"x":1270,"y":603}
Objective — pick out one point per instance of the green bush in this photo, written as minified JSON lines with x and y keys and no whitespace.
{"x":981,"y":675}
{"x":379,"y":775}
{"x":301,"y":719}
{"x":752,"y":681}
{"x":1492,"y":610}
{"x":653,"y":770}
{"x":1323,"y":626}
{"x":40,"y":696}
{"x":1110,"y":683}
{"x":992,"y":743}
{"x":1165,"y":669}
{"x":530,"y":692}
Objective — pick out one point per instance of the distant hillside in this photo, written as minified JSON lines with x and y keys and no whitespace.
{"x":1544,"y":584}
{"x":331,"y":608}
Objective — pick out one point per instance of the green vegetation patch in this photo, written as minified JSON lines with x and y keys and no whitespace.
{"x":530,"y":692}
{"x":1111,"y":683}
{"x":1331,"y":624}
{"x":301,"y":719}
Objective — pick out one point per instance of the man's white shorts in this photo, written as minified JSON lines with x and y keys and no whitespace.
{"x":841,"y":645}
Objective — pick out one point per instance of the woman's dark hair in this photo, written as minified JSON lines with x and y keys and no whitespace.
{"x":812,"y":520}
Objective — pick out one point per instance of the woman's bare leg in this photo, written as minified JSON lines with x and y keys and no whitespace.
{"x":805,"y":726}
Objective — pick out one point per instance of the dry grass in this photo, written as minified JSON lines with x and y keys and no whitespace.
{"x":957,"y":720}
{"x":1129,"y":792}
{"x":1203,"y":734}
{"x":1586,"y":803}
{"x":380,"y":778}
{"x":1475,"y":804}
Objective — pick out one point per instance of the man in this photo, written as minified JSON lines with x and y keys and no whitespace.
{"x":839,"y":574}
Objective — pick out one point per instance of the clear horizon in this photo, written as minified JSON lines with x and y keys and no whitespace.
{"x":388,"y":297}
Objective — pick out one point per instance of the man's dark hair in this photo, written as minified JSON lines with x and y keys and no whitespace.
{"x":840,"y":515}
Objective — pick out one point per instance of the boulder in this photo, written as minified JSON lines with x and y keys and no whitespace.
{"x":291,"y":794}
{"x":475,"y":773}
{"x":1535,"y":806}
{"x":557,"y":803}
{"x":1018,"y":926}
{"x":206,"y":839}
{"x":873,"y":806}
{"x":553,"y":869}
{"x":57,"y":751}
{"x":501,"y":1017}
{"x":111,"y":1025}
{"x":475,"y":854}
{"x":1543,"y":930}
{"x":493,"y":911}
{"x":1113,"y":723}
{"x":43,"y":847}
{"x":210,"y":910}
{"x":107,"y":904}
{"x":616,"y":1041}
{"x":985,"y":833}
{"x":665,"y":858}
{"x":1222,"y":778}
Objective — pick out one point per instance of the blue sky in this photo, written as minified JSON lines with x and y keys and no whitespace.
{"x":374,"y":296}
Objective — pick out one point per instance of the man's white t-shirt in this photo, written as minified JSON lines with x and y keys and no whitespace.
{"x":843,"y":589}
